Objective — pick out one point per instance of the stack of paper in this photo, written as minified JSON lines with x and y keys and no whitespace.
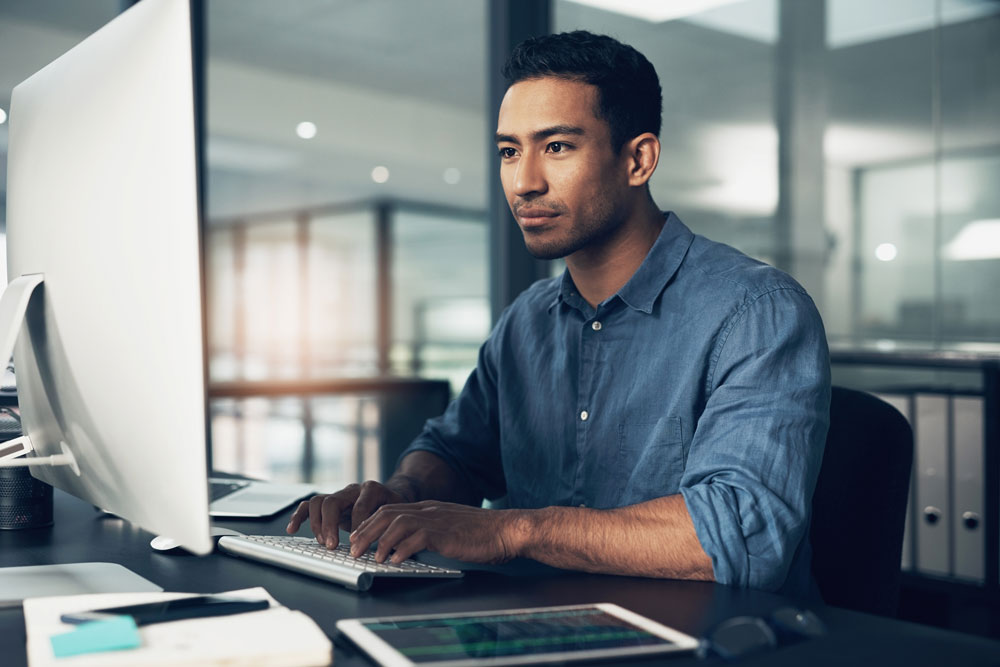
{"x":273,"y":637}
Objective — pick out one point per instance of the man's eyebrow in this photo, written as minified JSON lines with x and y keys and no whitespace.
{"x":544,"y":133}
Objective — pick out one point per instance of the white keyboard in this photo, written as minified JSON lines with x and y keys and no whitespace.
{"x":306,"y":555}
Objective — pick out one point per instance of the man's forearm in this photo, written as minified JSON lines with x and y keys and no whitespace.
{"x":653,"y":539}
{"x":425,"y":476}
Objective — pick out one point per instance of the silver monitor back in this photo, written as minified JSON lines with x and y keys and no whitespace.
{"x":102,"y":200}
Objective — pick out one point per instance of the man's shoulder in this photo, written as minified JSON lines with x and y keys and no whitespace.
{"x":728,"y":272}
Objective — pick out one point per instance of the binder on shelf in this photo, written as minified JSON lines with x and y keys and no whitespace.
{"x":933,"y":516}
{"x":902,"y":403}
{"x":969,"y":481}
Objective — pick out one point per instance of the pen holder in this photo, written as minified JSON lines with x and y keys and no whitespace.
{"x":25,"y":502}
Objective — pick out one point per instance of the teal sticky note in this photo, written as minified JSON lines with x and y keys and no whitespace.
{"x":113,"y":634}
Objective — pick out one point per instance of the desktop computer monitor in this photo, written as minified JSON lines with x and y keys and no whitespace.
{"x":103,"y":212}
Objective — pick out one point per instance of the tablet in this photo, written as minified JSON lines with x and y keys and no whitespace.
{"x":513,"y":637}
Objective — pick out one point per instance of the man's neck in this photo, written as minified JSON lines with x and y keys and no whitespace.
{"x":599,"y":272}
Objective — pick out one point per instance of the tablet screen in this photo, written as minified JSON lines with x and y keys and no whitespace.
{"x":517,"y":633}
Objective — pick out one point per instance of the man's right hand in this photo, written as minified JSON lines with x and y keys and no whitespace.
{"x":345,"y":509}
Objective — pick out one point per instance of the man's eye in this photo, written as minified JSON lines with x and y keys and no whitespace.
{"x":507,"y":152}
{"x":556,"y":147}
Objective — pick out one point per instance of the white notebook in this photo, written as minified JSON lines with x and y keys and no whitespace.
{"x":273,"y":637}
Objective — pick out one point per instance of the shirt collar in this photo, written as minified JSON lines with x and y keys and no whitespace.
{"x":659,"y":267}
{"x":652,"y":276}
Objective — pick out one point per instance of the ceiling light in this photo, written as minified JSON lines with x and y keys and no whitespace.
{"x":979,"y":239}
{"x":655,"y":11}
{"x":3,"y":116}
{"x":452,"y":176}
{"x":886,"y":252}
{"x":380,"y":174}
{"x":306,"y":129}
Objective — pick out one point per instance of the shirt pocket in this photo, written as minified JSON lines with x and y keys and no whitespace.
{"x":650,"y":459}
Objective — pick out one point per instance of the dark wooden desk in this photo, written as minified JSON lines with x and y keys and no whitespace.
{"x":81,"y":534}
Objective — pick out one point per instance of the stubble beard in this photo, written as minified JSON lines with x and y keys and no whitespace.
{"x":591,"y":229}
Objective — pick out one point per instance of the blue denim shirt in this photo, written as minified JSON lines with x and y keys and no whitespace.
{"x":707,"y":374}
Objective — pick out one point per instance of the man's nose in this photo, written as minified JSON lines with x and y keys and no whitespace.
{"x":529,"y":177}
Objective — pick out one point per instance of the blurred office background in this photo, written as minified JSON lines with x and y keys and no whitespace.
{"x":855,"y":144}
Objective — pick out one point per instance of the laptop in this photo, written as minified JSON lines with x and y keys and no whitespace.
{"x":253,"y":499}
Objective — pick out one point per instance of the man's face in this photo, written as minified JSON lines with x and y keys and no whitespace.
{"x":564,"y":183}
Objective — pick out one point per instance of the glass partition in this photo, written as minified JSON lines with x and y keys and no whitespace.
{"x":440,"y":294}
{"x":853,"y":144}
{"x":340,"y":296}
{"x":327,"y":112}
{"x":295,"y":298}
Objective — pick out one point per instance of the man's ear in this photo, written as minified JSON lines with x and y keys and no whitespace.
{"x":642,"y":153}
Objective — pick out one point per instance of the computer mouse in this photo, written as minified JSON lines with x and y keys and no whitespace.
{"x":798,"y":622}
{"x":164,"y":543}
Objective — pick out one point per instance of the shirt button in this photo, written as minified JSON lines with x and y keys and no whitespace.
{"x":596,"y":326}
{"x":584,"y":415}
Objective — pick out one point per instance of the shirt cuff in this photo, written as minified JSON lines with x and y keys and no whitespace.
{"x":716,"y":520}
{"x":748,"y":548}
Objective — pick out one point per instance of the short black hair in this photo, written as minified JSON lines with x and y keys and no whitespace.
{"x":630,"y":99}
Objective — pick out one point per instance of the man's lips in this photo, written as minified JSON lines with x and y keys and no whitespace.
{"x":535,"y":216}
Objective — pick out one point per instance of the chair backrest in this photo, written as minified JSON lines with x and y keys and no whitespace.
{"x":859,"y":506}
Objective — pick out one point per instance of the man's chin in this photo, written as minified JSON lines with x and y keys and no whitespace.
{"x":541,"y":249}
{"x":546,"y":251}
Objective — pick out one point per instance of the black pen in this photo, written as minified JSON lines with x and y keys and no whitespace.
{"x":171,"y":610}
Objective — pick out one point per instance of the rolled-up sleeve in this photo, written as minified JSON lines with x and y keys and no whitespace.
{"x":758,"y":445}
{"x":467,"y":435}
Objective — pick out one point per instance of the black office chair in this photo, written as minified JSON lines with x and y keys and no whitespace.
{"x":859,"y":506}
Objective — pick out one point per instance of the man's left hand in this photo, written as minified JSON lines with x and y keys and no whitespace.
{"x":456,"y":531}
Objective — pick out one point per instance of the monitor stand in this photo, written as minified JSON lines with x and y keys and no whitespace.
{"x":18,"y":583}
{"x":13,"y":305}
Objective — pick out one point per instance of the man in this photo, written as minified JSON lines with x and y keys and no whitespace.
{"x":660,"y":410}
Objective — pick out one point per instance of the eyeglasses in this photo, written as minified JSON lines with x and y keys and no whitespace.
{"x":746,"y":635}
